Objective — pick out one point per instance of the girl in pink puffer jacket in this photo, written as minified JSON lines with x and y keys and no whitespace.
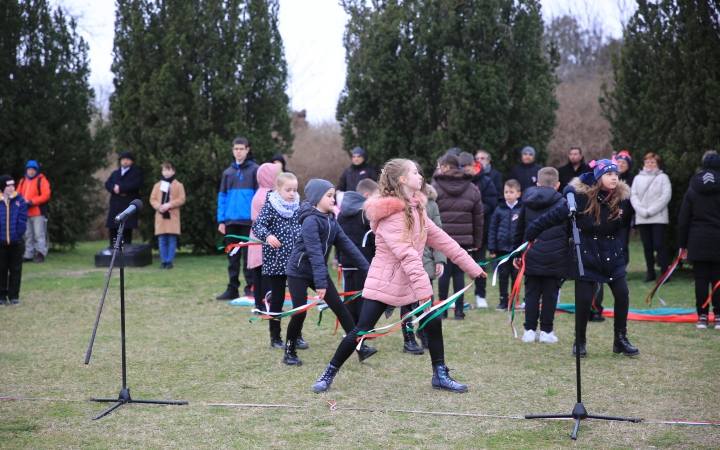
{"x":396,"y":276}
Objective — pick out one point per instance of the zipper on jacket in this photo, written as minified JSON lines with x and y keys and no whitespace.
{"x":7,"y":219}
{"x":300,"y":259}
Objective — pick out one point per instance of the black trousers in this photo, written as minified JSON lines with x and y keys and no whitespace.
{"x":298,"y":292}
{"x":480,"y":255}
{"x":653,"y":239}
{"x":261,"y":286}
{"x":11,"y":270}
{"x":276,"y":283}
{"x":127,"y":235}
{"x":234,"y":261}
{"x":707,"y":274}
{"x":354,"y":281}
{"x":453,"y":271}
{"x":371,"y":313}
{"x":547,"y":288}
{"x":585,"y":292}
{"x":506,"y":272}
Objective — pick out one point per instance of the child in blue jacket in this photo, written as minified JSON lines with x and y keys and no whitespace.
{"x":502,"y":234}
{"x":13,"y":220}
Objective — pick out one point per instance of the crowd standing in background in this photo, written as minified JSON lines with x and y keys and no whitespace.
{"x":35,"y":189}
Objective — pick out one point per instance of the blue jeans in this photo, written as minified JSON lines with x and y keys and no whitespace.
{"x":167,"y":244}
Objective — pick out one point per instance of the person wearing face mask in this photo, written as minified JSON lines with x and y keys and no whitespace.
{"x":651,"y":193}
{"x":598,"y":197}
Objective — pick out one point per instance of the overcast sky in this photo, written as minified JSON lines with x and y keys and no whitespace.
{"x":312,"y":32}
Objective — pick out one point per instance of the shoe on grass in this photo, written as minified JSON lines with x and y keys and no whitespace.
{"x":702,"y":321}
{"x":228,"y":295}
{"x":548,"y":338}
{"x":481,"y":302}
{"x":529,"y":336}
{"x":717,"y":322}
{"x":501,"y":307}
{"x":14,"y":301}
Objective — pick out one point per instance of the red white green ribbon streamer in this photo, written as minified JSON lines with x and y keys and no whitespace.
{"x":662,"y":281}
{"x":433,"y":311}
{"x":312,"y":301}
{"x":506,"y":259}
{"x":515,"y":294}
{"x":707,"y":302}
{"x":235,"y":247}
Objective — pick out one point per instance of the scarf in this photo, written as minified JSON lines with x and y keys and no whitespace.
{"x":166,"y":196}
{"x":284,"y":208}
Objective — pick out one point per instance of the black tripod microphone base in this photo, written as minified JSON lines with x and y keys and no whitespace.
{"x":124,"y":398}
{"x":580,"y":413}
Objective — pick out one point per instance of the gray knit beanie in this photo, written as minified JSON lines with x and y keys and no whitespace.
{"x":315,"y":189}
{"x":528,"y":149}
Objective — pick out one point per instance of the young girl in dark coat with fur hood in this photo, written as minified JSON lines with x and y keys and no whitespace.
{"x":598,"y":196}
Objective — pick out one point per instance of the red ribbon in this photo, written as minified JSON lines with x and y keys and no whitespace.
{"x":662,"y":281}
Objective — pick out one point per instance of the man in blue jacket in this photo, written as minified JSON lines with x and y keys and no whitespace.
{"x":237,"y":188}
{"x":13,"y":224}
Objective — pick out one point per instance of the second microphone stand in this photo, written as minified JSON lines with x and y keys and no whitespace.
{"x":579,"y":412}
{"x":124,"y":396}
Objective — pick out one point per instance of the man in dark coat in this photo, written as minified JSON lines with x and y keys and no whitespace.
{"x":699,"y":235}
{"x":358,"y":170}
{"x":526,"y":172}
{"x":485,"y":158}
{"x":574,"y":168}
{"x":124,"y":187}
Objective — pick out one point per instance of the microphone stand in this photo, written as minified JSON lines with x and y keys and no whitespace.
{"x":124,"y":396}
{"x":579,"y":412}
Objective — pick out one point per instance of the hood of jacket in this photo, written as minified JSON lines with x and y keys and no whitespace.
{"x":279,"y":157}
{"x":431,"y":192}
{"x":266,"y":175}
{"x":306,"y":210}
{"x":352,"y":203}
{"x":453,"y":181}
{"x":540,"y":197}
{"x":582,"y":188}
{"x":378,"y":208}
{"x":706,"y":182}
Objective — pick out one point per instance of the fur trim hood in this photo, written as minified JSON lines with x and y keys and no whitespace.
{"x":431,"y":192}
{"x":582,"y":188}
{"x":378,"y":208}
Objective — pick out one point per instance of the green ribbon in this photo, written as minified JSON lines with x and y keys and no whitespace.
{"x":221,"y":243}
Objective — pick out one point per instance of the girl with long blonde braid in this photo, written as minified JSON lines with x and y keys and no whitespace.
{"x":396,"y":276}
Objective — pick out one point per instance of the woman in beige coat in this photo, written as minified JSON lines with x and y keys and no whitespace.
{"x":651,"y":192}
{"x":166,"y":198}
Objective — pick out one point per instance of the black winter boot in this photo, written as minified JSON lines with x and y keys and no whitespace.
{"x":364,"y":353}
{"x":622,"y":345}
{"x":323,"y":383}
{"x":459,"y":313}
{"x":291,"y":358}
{"x":441,"y":380}
{"x":410,"y":346}
{"x":422,"y":334}
{"x":583,"y":351}
{"x":301,"y":344}
{"x":276,"y":340}
{"x":650,"y":276}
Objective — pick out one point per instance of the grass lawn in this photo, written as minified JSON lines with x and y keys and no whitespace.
{"x":182,"y":344}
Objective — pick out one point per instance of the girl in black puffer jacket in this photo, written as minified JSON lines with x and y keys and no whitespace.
{"x":461,"y":213}
{"x":599,"y":217}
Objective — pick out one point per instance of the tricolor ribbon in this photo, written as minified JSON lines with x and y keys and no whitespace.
{"x":662,"y":281}
{"x":707,"y":302}
{"x":233,"y":248}
{"x":312,"y":301}
{"x":505,"y":259}
{"x":515,"y":294}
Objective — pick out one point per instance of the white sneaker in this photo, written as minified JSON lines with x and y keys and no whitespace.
{"x":481,"y":302}
{"x":529,"y":336}
{"x":548,"y":338}
{"x":522,"y":306}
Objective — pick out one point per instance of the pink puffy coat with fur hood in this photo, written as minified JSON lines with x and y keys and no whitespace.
{"x":396,"y":276}
{"x":266,"y":175}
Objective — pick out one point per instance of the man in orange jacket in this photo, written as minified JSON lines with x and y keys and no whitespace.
{"x":35,"y":189}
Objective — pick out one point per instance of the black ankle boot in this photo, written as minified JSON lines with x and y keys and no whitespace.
{"x":301,"y":344}
{"x":441,"y":380}
{"x":411,"y":346}
{"x":583,"y":351}
{"x":622,"y":345}
{"x":649,"y":277}
{"x":291,"y":358}
{"x":323,"y":383}
{"x":276,"y":340}
{"x":422,"y":334}
{"x":364,"y":353}
{"x":459,"y":313}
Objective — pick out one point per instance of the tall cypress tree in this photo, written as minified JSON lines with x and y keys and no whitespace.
{"x":666,"y":92}
{"x":46,"y":110}
{"x":427,"y":75}
{"x":190,"y":77}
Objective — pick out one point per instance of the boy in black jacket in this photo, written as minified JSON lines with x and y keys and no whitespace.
{"x":502,"y":233}
{"x":546,"y":261}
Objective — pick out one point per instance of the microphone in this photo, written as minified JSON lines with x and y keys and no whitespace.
{"x":135,"y":205}
{"x":569,"y":193}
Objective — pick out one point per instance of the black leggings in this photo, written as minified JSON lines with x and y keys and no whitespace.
{"x":371,"y":312}
{"x":707,"y":274}
{"x":277,"y":299}
{"x":653,"y":239}
{"x":354,"y":281}
{"x":453,"y":271}
{"x":298,"y":292}
{"x":585,"y":292}
{"x":261,"y":288}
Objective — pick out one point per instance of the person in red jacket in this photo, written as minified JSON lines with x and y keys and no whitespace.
{"x":35,"y":189}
